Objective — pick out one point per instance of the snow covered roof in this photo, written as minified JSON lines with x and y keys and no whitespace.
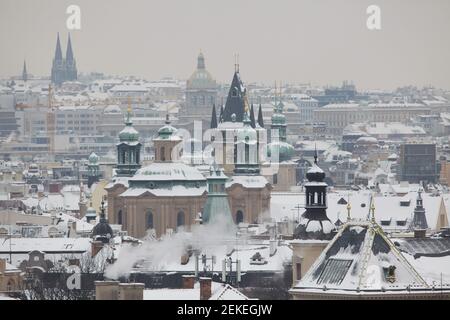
{"x":168,"y":171}
{"x":128,"y":88}
{"x":46,"y":245}
{"x":169,"y":260}
{"x":172,"y":191}
{"x":391,"y":128}
{"x":388,"y":207}
{"x":248,"y":181}
{"x":361,"y":258}
{"x":219,"y":291}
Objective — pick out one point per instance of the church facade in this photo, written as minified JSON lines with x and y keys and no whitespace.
{"x":169,"y":195}
{"x":63,"y":69}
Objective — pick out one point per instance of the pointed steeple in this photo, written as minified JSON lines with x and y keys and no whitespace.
{"x":260,"y":117}
{"x":69,"y":52}
{"x":24,"y":71}
{"x":252,"y":117}
{"x":58,"y":52}
{"x":442,"y":220}
{"x":221,"y":113}
{"x":314,"y":223}
{"x":58,"y":74}
{"x":70,"y":64}
{"x":214,"y":118}
{"x":236,"y":100}
{"x":419,"y":219}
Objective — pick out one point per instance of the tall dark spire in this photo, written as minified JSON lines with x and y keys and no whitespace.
{"x":214,"y":117}
{"x":252,"y":117}
{"x":71,"y":73}
{"x":24,"y":71}
{"x":236,"y":100}
{"x":221,"y":113}
{"x":260,"y":117}
{"x":58,"y":52}
{"x":69,"y":52}
{"x":419,"y":219}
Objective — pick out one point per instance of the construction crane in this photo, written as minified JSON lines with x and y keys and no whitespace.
{"x":50,"y":123}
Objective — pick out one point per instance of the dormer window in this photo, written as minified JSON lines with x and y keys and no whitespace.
{"x":389,"y":273}
{"x":234,"y":92}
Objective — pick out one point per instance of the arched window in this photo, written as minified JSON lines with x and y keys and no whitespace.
{"x":163,"y":154}
{"x":180,"y":219}
{"x":239,"y":217}
{"x":149,"y":220}
{"x":119,"y":217}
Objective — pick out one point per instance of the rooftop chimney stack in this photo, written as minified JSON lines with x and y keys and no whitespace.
{"x":188,"y":281}
{"x":205,"y":288}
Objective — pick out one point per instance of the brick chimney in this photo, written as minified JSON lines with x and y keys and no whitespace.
{"x":205,"y":288}
{"x":188,"y":281}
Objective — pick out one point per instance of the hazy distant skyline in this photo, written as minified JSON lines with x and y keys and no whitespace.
{"x":319,"y":41}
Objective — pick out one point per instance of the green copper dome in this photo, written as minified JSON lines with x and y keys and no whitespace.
{"x":278,"y":118}
{"x":128,"y":134}
{"x":285,"y":151}
{"x":166,"y":131}
{"x":93,"y":158}
{"x":201,"y":78}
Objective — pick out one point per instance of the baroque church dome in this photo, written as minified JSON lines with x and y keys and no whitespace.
{"x":284,"y":150}
{"x":201,"y":78}
{"x":129,"y":133}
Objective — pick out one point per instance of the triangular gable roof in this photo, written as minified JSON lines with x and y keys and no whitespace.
{"x":442,"y":220}
{"x":358,"y":259}
{"x":228,"y":293}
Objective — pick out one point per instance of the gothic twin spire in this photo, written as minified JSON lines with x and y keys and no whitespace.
{"x":69,"y":51}
{"x":63,"y":69}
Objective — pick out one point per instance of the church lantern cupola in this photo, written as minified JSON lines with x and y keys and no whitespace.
{"x":167,"y":143}
{"x":419,"y":220}
{"x":246,"y":150}
{"x":93,"y":169}
{"x":128,"y":149}
{"x":314,"y":223}
{"x":279,"y":150}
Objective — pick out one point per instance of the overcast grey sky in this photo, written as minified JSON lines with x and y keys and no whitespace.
{"x":317,"y":41}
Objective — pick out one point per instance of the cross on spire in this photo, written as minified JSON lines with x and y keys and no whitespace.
{"x":236,"y":62}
